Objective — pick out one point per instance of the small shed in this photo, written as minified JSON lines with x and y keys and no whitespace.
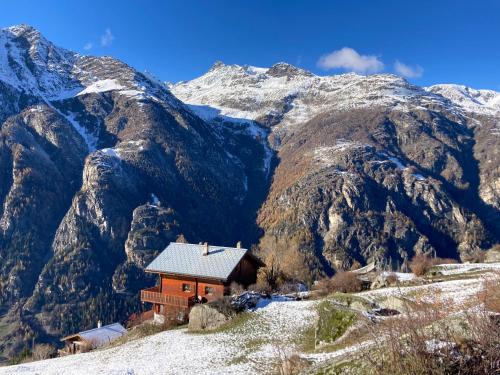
{"x":93,"y":338}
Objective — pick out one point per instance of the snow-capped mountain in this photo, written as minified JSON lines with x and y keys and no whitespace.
{"x":101,"y":166}
{"x":355,"y":151}
{"x":32,"y":64}
{"x":288,"y":96}
{"x":469,"y":99}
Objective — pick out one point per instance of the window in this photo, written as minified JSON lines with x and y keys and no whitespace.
{"x":209,"y":290}
{"x":186,"y":287}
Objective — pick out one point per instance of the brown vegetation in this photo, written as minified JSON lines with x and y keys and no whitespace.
{"x":478,"y":256}
{"x":422,"y":263}
{"x":429,"y":340}
{"x":43,"y":351}
{"x":284,"y":262}
{"x":342,"y":281}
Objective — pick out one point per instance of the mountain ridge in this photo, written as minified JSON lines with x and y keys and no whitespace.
{"x":101,"y":166}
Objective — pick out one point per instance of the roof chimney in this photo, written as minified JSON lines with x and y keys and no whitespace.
{"x":99,"y":324}
{"x":205,"y":248}
{"x":238,"y":245}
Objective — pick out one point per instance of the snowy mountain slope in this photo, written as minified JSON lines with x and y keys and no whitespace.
{"x":286,"y":95}
{"x":31,"y":63}
{"x":471,"y":100}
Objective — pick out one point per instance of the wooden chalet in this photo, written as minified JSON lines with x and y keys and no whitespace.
{"x":93,"y":338}
{"x":190,"y":273}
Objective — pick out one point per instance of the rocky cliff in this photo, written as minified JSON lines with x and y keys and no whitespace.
{"x":370,"y":167}
{"x":101,"y":166}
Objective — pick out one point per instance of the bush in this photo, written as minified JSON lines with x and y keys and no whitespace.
{"x":342,"y":281}
{"x":478,"y":256}
{"x":236,"y":289}
{"x":391,"y":279}
{"x":345,"y":282}
{"x":43,"y":351}
{"x":422,"y":263}
{"x":490,"y":295}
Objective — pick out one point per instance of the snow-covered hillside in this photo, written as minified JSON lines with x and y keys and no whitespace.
{"x":472,"y":100}
{"x":252,"y":347}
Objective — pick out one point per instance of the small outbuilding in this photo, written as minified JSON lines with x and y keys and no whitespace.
{"x":85,"y":341}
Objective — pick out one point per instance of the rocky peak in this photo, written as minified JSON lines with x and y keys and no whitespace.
{"x":282,"y":69}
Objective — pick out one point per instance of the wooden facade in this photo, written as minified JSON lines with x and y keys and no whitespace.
{"x":175,"y":294}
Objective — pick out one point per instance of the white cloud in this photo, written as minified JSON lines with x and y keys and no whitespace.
{"x":348,"y":59}
{"x":107,"y":38}
{"x":408,"y":71}
{"x":88,"y":46}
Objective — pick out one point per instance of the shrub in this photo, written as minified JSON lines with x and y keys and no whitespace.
{"x":478,"y":256}
{"x":490,"y":295}
{"x":391,"y":278}
{"x":345,"y":282}
{"x":236,"y":289}
{"x":422,"y":263}
{"x":43,"y":351}
{"x":322,"y":286}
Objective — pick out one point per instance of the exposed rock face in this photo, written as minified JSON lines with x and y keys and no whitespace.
{"x":369,"y":167}
{"x":101,"y":166}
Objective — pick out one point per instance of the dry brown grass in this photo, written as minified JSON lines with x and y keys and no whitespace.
{"x":429,"y":339}
{"x":490,"y":295}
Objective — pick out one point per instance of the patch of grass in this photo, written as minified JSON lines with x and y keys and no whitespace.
{"x":238,"y":360}
{"x":352,"y":301}
{"x":254,"y":344}
{"x":237,"y":322}
{"x":352,"y":366}
{"x":306,"y":338}
{"x":332,"y":323}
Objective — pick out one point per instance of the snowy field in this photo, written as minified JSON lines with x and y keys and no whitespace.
{"x":251,"y":347}
{"x":243,"y":350}
{"x":460,"y":268}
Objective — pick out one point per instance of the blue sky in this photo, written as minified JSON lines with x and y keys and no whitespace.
{"x":428,"y":41}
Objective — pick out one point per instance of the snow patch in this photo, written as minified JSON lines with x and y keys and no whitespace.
{"x":101,"y":86}
{"x":111,"y":152}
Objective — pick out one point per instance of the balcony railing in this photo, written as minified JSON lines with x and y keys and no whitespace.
{"x":153,"y":295}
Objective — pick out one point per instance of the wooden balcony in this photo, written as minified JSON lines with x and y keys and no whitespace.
{"x":153,"y":295}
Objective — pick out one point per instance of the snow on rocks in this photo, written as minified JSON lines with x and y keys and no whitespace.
{"x":114,"y":153}
{"x":294,"y":96}
{"x":456,"y":292}
{"x":469,"y":99}
{"x":101,"y":86}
